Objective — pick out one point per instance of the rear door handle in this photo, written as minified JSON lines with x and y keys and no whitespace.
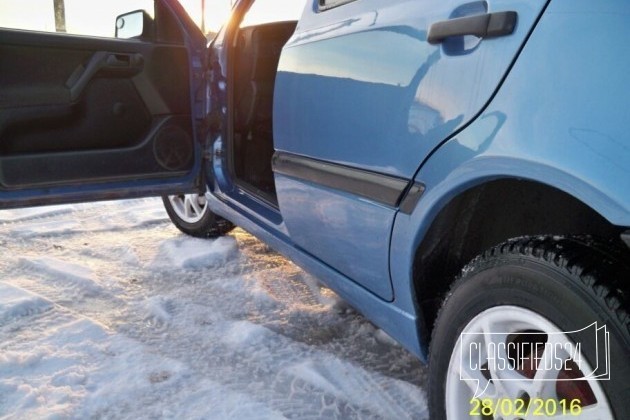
{"x":488,"y":25}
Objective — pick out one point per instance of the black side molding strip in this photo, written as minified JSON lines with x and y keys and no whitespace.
{"x":626,"y":237}
{"x":412,"y":197}
{"x":385,"y":189}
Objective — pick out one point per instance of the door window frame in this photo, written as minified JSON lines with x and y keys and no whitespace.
{"x":323,"y":5}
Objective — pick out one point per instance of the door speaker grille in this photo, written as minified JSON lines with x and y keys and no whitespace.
{"x":173,"y":148}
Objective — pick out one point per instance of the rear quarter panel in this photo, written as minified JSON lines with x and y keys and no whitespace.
{"x":560,"y":118}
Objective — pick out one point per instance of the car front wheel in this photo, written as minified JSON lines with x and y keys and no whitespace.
{"x":190,"y":214}
{"x":535,"y":327}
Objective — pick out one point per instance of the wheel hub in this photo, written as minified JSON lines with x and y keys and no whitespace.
{"x":189,"y":207}
{"x":532,"y":347}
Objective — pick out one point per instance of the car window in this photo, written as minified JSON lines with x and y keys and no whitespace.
{"x":79,"y":17}
{"x":329,"y":4}
{"x":268,"y":11}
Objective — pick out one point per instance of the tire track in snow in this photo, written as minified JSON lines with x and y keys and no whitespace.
{"x":18,"y":304}
{"x":189,"y":328}
{"x":71,"y":286}
{"x":257,"y":358}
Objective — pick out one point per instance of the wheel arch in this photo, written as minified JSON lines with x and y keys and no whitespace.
{"x":484,"y":214}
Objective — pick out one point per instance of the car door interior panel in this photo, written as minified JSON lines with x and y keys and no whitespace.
{"x":74,"y":108}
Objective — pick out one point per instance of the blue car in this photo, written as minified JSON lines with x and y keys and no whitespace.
{"x":459,"y":172}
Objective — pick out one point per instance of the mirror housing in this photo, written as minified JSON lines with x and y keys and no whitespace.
{"x":137,"y":24}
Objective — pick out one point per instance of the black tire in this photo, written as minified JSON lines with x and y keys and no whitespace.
{"x":571,"y":282}
{"x":206,"y":225}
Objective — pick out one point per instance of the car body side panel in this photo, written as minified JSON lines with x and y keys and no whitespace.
{"x":399,"y":324}
{"x":560,"y":119}
{"x":360,"y":87}
{"x":366,"y":230}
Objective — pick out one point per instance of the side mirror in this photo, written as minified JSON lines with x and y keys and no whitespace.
{"x":136,"y":24}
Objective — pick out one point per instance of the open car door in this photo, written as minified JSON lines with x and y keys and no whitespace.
{"x":100,"y":117}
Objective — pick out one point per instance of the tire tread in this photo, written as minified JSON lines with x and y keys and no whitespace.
{"x":601,"y":266}
{"x":599,"y":269}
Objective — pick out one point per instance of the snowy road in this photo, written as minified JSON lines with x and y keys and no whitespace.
{"x":107,"y":311}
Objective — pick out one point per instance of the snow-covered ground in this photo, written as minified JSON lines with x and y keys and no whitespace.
{"x":107,"y":311}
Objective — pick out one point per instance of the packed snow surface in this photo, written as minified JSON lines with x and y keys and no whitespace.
{"x":107,"y":311}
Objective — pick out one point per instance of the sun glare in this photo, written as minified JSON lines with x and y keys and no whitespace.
{"x":217,"y":13}
{"x":98,"y":18}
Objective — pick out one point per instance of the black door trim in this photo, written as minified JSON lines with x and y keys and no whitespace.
{"x":384,"y":189}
